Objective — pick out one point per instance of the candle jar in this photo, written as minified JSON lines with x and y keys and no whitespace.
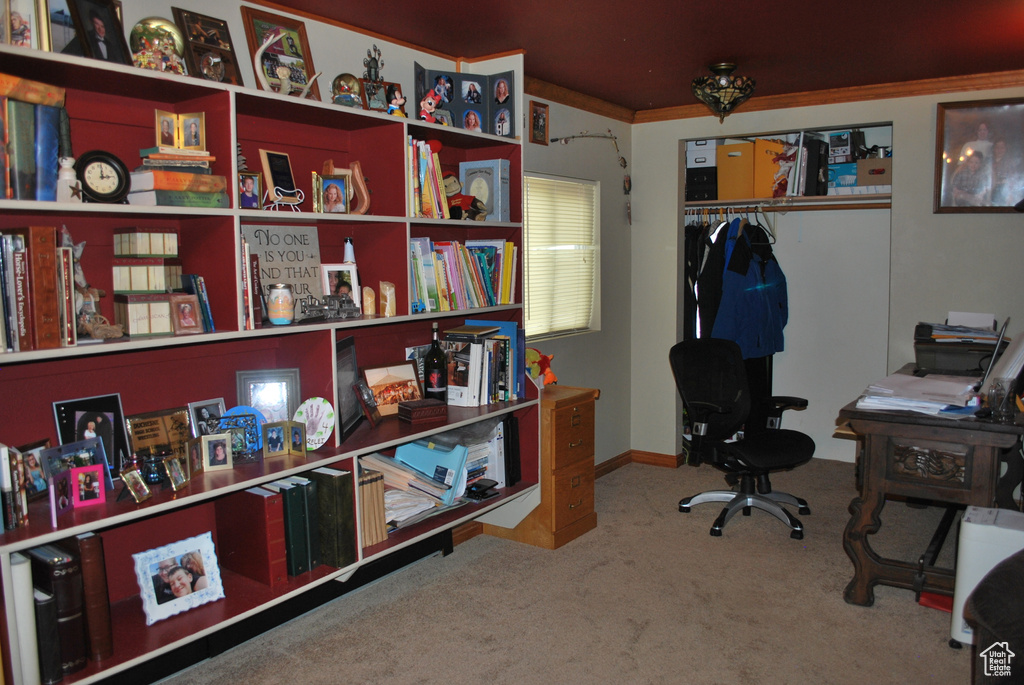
{"x":281,"y":304}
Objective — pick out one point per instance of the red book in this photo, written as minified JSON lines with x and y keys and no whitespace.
{"x":98,"y":632}
{"x":250,"y":535}
{"x":41,"y":243}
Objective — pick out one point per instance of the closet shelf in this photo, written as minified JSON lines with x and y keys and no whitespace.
{"x":798,"y":204}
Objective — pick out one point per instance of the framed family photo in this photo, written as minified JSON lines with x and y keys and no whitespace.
{"x":250,"y":189}
{"x":275,"y":439}
{"x":177,"y":471}
{"x":87,"y":485}
{"x":135,"y":484}
{"x":33,"y":468}
{"x":274,"y":392}
{"x":209,"y":51}
{"x":341,"y":279}
{"x":204,"y":415}
{"x":166,"y":129}
{"x":185,"y":316}
{"x":95,"y":417}
{"x":98,"y":31}
{"x":217,"y":452}
{"x":289,"y":52}
{"x":193,"y":130}
{"x":22,"y":27}
{"x":331,"y":192}
{"x":178,"y":577}
{"x":979,"y":156}
{"x":392,"y":384}
{"x":538,"y":122}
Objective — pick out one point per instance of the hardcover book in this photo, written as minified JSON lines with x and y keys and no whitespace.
{"x":59,"y":573}
{"x":179,"y":198}
{"x":488,"y":181}
{"x":41,"y":246}
{"x":295,"y":536}
{"x":251,"y":535}
{"x":27,"y":90}
{"x":312,"y":496}
{"x":178,"y":180}
{"x":21,"y":154}
{"x":100,"y":637}
{"x":47,"y":151}
{"x":47,"y":639}
{"x":336,"y":516}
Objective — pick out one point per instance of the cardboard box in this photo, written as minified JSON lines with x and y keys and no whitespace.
{"x":735,"y":171}
{"x":842,"y":175}
{"x":874,"y":172}
{"x":143,"y":315}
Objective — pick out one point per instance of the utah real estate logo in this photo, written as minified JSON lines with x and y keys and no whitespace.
{"x":997,"y":658}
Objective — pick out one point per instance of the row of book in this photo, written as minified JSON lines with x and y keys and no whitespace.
{"x":448,"y":275}
{"x":486,"y":362}
{"x":176,"y":177}
{"x":62,"y":608}
{"x":37,"y":290}
{"x":254,"y":302}
{"x":426,"y":192}
{"x":34,"y":130}
{"x":373,"y":527}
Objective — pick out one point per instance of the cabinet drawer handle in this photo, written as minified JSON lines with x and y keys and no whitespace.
{"x":575,"y":482}
{"x":576,"y":444}
{"x":576,"y":420}
{"x":579,"y":503}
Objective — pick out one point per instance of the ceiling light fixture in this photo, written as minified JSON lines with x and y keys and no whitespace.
{"x":723,"y":92}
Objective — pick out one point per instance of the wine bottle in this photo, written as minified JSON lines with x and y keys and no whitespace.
{"x":435,"y":370}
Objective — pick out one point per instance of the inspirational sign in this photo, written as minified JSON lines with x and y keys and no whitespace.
{"x":287,"y":254}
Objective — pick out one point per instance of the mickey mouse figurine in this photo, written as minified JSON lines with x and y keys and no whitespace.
{"x":428,"y":105}
{"x":396,"y":101}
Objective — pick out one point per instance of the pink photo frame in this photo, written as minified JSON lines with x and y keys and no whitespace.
{"x":87,"y":486}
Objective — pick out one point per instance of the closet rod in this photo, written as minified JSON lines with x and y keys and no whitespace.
{"x":818,"y":208}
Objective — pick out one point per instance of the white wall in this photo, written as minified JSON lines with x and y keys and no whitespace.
{"x":599,"y":359}
{"x":842,"y":334}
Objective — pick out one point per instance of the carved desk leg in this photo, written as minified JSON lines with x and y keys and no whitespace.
{"x":864,"y":520}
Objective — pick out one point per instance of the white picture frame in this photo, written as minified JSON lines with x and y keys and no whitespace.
{"x":209,"y":587}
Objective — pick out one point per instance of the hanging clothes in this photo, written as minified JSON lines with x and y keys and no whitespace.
{"x":754,"y":306}
{"x":709,"y":275}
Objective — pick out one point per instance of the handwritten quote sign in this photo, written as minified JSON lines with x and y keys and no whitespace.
{"x":287,"y":254}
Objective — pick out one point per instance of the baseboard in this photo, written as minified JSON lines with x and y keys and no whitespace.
{"x":468,"y":531}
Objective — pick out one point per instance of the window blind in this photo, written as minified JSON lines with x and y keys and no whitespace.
{"x":561,"y":255}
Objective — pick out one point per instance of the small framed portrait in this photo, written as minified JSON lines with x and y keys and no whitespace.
{"x":217,"y":452}
{"x":538,"y":123}
{"x":135,"y":484}
{"x":250,"y":189}
{"x":471,"y":120}
{"x":374,"y":95}
{"x":340,"y":279}
{"x":444,"y":86}
{"x":33,"y":468}
{"x":297,"y":441}
{"x":98,"y":31}
{"x":392,"y":384}
{"x":87,"y":485}
{"x":367,"y":404}
{"x":209,"y":52}
{"x":978,"y":155}
{"x":204,"y":416}
{"x":471,"y":92}
{"x":95,"y":417}
{"x":274,"y":392}
{"x":177,"y":471}
{"x":166,"y":129}
{"x":444,"y":116}
{"x":277,"y":170}
{"x":195,"y":457}
{"x":193,"y":130}
{"x":331,"y":192}
{"x":275,"y":439}
{"x":23,"y":29}
{"x":502,"y":91}
{"x":347,"y":374}
{"x":178,"y":577}
{"x":289,"y":54}
{"x":185,"y":316}
{"x":62,"y":500}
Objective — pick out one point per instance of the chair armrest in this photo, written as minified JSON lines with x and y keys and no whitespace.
{"x":784,"y":402}
{"x":700,"y":411}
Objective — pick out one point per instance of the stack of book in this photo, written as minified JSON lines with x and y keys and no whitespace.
{"x":177,"y":177}
{"x":37,"y":300}
{"x":426,"y":199}
{"x":373,"y":527}
{"x":448,"y":275}
{"x":30,"y":124}
{"x":486,"y":362}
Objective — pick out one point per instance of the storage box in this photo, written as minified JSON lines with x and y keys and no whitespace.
{"x":146,"y":274}
{"x":422,"y":411}
{"x":874,"y":171}
{"x":842,"y":175}
{"x":701,"y":184}
{"x":747,"y":170}
{"x":141,"y":242}
{"x":143,"y":315}
{"x":700,"y":158}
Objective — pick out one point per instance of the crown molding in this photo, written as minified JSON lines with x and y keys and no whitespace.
{"x":571,"y":98}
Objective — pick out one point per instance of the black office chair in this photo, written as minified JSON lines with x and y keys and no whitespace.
{"x":712,"y":381}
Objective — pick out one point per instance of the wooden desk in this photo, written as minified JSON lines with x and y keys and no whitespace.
{"x":906,"y":454}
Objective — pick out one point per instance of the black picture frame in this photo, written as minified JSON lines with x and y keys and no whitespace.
{"x":991,"y":181}
{"x":349,"y":412}
{"x":73,"y":416}
{"x":85,"y":14}
{"x":209,"y":51}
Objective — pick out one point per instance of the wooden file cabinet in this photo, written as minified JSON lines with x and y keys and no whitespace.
{"x":566,"y":509}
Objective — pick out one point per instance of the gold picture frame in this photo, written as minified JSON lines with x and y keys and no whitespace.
{"x":331,"y":192}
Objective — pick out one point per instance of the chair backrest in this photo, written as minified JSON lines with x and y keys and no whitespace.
{"x":711,"y":370}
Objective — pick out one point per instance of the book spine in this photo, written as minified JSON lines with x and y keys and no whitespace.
{"x":97,"y":606}
{"x":177,"y":180}
{"x":27,"y":90}
{"x":204,"y":300}
{"x":47,"y":638}
{"x":23,"y":305}
{"x":178,"y":198}
{"x":67,"y":271}
{"x":42,"y":253}
{"x":184,"y":166}
{"x":9,"y":338}
{"x":295,"y":529}
{"x":47,"y":125}
{"x":5,"y":166}
{"x":260,"y":304}
{"x":21,"y":124}
{"x":23,"y":634}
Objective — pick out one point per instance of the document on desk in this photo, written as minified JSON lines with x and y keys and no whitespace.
{"x":928,"y":395}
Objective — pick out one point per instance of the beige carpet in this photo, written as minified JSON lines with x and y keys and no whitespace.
{"x":647,"y":597}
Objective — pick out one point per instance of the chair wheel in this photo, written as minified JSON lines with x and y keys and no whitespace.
{"x":804,"y":511}
{"x":746,"y":511}
{"x":716,"y":532}
{"x":797,"y":535}
{"x":684,"y":509}
{"x":955,"y":644}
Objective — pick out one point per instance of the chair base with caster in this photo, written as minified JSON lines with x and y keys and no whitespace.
{"x":771,"y":502}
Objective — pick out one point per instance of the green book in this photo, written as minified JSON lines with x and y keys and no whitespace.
{"x":21,"y":149}
{"x":179,"y":198}
{"x":337,"y":518}
{"x":309,"y":490}
{"x":295,"y":535}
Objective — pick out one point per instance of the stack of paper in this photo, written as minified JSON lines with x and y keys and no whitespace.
{"x":928,"y":395}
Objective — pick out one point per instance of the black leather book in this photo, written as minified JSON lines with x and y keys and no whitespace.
{"x":47,"y":638}
{"x":59,"y":573}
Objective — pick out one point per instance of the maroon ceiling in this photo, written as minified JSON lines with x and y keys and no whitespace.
{"x":643,"y":54}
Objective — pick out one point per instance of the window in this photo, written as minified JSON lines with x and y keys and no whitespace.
{"x":561,"y":265}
